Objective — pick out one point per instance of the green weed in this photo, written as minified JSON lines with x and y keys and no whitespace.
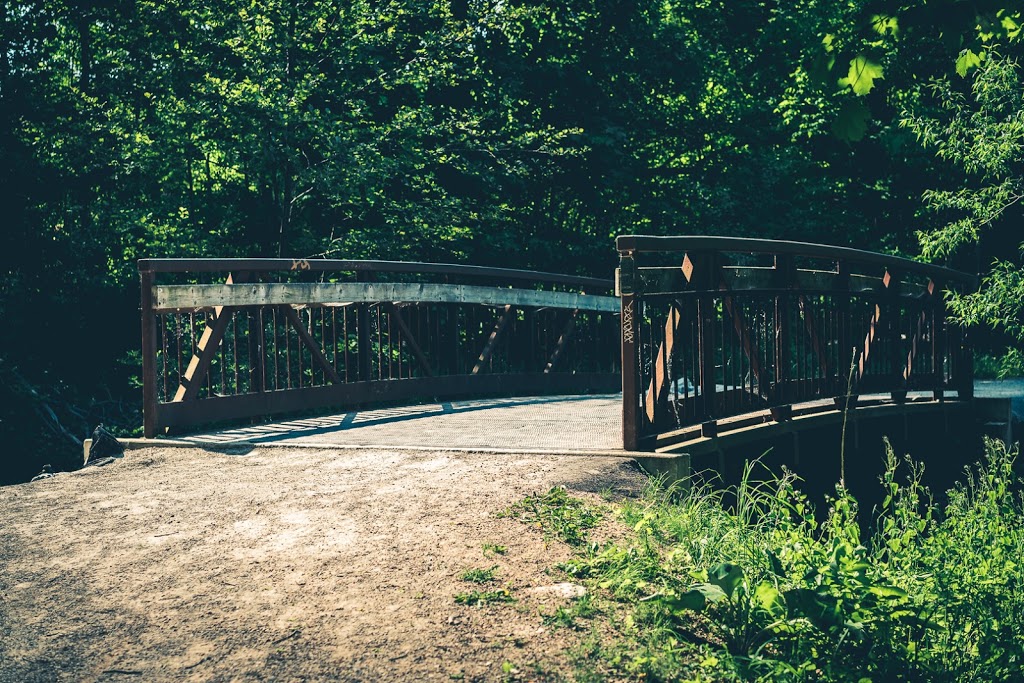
{"x":479,"y":575}
{"x":484,"y":597}
{"x":558,"y":514}
{"x":566,"y":616}
{"x":492,"y":549}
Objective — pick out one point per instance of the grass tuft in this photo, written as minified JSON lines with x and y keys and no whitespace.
{"x":484,"y":597}
{"x":479,"y":575}
{"x":558,"y":514}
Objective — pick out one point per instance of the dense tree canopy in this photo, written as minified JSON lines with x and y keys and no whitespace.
{"x":510,"y":132}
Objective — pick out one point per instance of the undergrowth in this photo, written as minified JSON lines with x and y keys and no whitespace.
{"x":762,"y":589}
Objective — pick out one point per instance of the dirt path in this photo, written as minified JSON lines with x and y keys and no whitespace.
{"x":281,"y":565}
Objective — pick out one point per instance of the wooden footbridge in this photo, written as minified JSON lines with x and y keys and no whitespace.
{"x":703,"y":336}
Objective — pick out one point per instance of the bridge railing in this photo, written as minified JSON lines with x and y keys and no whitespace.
{"x":714,"y":328}
{"x":225,"y":339}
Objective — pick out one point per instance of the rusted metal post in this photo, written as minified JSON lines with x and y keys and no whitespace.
{"x":149,"y":396}
{"x":625,"y":285}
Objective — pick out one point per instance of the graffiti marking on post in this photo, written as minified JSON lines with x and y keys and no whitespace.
{"x":627,"y":323}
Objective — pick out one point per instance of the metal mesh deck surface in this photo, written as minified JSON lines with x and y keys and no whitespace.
{"x":537,"y":422}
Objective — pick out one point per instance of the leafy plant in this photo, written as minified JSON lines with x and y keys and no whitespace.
{"x":484,"y":597}
{"x":558,"y":514}
{"x":492,"y":549}
{"x":479,"y":575}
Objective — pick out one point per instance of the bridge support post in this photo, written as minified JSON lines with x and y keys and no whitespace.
{"x":964,"y":380}
{"x":626,"y":285}
{"x":149,"y":397}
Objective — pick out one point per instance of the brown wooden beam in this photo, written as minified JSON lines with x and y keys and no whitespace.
{"x":657,"y":390}
{"x":563,"y":340}
{"x":629,"y":302}
{"x":493,"y":339}
{"x":314,"y":349}
{"x":213,"y":333}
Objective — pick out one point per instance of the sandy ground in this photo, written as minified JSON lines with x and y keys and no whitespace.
{"x":281,"y":564}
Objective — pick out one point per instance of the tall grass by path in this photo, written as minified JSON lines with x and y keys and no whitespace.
{"x":760,"y":588}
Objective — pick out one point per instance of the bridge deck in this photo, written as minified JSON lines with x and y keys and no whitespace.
{"x":542,"y":423}
{"x":534,"y":423}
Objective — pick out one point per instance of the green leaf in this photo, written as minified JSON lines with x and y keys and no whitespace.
{"x":726,"y":576}
{"x":768,"y":598}
{"x":852,"y":122}
{"x":884,"y":24}
{"x":822,"y":610}
{"x":966,"y":61}
{"x":698,"y":597}
{"x":1012,"y":28}
{"x":887,"y":592}
{"x":862,"y":75}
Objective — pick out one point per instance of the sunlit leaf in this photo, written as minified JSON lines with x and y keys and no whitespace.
{"x":862,"y":75}
{"x":966,"y":61}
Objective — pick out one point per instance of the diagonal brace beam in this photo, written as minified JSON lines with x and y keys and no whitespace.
{"x":314,"y":348}
{"x":869,"y":338}
{"x":659,"y":384}
{"x":206,"y":349}
{"x":918,"y":332}
{"x":492,"y":341}
{"x":742,"y":330}
{"x":563,"y":340}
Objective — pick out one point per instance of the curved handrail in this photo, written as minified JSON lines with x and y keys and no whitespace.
{"x":704,"y":340}
{"x":204,"y":265}
{"x":653,"y":243}
{"x":266,"y":342}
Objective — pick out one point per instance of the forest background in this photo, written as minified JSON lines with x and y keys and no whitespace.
{"x":491,"y":132}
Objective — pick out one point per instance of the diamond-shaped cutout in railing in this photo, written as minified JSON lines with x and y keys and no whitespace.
{"x":886,"y":279}
{"x":687,"y":267}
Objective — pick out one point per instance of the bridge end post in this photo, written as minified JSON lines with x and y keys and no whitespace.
{"x":149,"y":396}
{"x":625,"y":285}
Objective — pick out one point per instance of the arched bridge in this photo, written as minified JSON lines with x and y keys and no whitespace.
{"x":703,"y":336}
